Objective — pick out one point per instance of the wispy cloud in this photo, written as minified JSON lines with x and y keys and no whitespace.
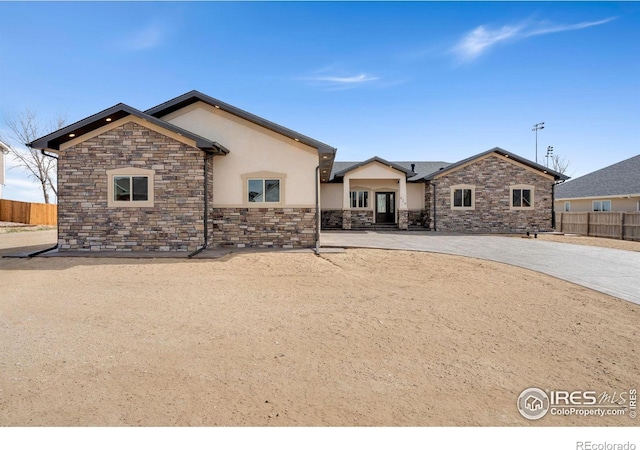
{"x":145,"y":38}
{"x":481,"y":39}
{"x":331,"y":82}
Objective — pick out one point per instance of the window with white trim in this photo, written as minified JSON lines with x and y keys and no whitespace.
{"x":522,"y":197}
{"x":359,"y":199}
{"x":130,"y":187}
{"x":263,"y":190}
{"x":567,"y":206}
{"x":463,"y":197}
{"x":602,"y":205}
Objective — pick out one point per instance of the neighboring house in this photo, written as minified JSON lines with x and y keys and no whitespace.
{"x":494,"y":191}
{"x":613,"y":188}
{"x":4,"y":148}
{"x":130,"y":180}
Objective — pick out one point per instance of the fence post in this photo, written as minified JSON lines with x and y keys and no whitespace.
{"x":588,"y":218}
{"x":622,"y":226}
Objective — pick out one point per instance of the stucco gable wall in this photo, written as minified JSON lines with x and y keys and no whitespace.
{"x":253,"y":149}
{"x":174,"y":222}
{"x":492,"y":177}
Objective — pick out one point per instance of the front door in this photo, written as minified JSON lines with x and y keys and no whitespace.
{"x":385,"y":207}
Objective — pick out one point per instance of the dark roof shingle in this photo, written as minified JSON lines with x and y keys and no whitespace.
{"x":622,"y":178}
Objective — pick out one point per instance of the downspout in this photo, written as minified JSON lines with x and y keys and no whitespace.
{"x":208,"y":156}
{"x":39,"y":252}
{"x":318,"y":216}
{"x":553,"y":206}
{"x":435,"y":228}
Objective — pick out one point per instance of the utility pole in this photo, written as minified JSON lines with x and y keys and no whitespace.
{"x":549,"y":153}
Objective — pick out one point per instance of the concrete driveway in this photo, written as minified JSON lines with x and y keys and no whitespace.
{"x":613,"y":272}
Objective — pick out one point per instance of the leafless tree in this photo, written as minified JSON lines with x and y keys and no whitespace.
{"x":559,"y":164}
{"x":24,"y":128}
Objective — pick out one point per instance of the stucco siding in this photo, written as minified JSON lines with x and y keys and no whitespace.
{"x":253,"y":149}
{"x":586,"y":205}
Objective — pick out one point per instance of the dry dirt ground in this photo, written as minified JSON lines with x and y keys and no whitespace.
{"x":362,"y":338}
{"x":619,"y":244}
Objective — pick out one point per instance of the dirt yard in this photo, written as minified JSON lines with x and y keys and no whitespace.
{"x":619,"y":244}
{"x":363,"y":338}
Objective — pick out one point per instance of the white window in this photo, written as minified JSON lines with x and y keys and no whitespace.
{"x":638,"y":206}
{"x":522,"y":197}
{"x":567,"y":206}
{"x":359,"y":199}
{"x":263,"y":190}
{"x":602,"y":205}
{"x":130,"y":187}
{"x":463,"y":197}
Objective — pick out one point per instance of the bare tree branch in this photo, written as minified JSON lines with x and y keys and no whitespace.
{"x":560,"y":164}
{"x":25,"y":128}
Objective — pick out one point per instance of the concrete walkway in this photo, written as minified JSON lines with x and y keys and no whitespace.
{"x":613,"y":272}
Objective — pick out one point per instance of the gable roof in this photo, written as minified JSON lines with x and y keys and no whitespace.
{"x":54,"y":140}
{"x":421,"y":168}
{"x":191,"y":97}
{"x":622,"y":178}
{"x":500,"y":151}
{"x":377,"y":159}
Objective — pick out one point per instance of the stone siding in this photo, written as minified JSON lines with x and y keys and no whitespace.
{"x":361,"y":218}
{"x":492,"y":178}
{"x":263,"y":227}
{"x":175,"y":222}
{"x":331,"y":219}
{"x":418,"y":217}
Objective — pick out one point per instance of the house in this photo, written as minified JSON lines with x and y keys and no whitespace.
{"x":533,"y":403}
{"x":613,"y":188}
{"x":195,"y":172}
{"x":495,"y":191}
{"x":4,"y":148}
{"x":130,"y":180}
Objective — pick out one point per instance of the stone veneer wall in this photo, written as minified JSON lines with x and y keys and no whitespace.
{"x":492,"y":177}
{"x":264,"y":227}
{"x":331,"y":219}
{"x":418,"y":217}
{"x":361,"y":218}
{"x":175,"y":222}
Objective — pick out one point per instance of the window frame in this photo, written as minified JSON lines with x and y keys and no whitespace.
{"x":567,"y":206}
{"x":602,"y":202}
{"x":463,"y":187}
{"x":130,"y":172}
{"x":264,"y":191}
{"x":521,"y":188}
{"x":365,"y":197}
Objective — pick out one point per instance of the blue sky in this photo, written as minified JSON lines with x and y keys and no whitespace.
{"x":404,"y":81}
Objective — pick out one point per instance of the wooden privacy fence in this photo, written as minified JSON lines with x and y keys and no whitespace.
{"x":616,"y":225}
{"x":29,"y":213}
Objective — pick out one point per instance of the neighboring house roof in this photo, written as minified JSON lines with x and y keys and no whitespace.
{"x":326,"y":152}
{"x":54,"y":140}
{"x":622,"y":178}
{"x":500,"y":151}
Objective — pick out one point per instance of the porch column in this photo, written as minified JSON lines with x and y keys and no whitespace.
{"x":403,"y":212}
{"x":346,"y":204}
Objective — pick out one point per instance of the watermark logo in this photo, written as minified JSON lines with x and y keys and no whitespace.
{"x":533,"y":403}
